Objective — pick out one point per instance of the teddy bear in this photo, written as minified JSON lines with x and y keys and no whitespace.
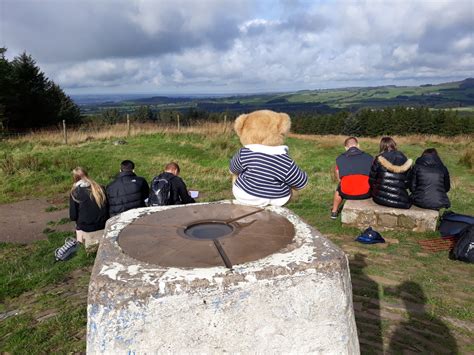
{"x":265,"y":172}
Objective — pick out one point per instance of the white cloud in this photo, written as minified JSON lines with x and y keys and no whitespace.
{"x":214,"y":45}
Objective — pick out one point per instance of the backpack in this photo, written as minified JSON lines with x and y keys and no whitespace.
{"x":160,"y":192}
{"x":370,"y":236}
{"x":464,"y":248}
{"x":452,"y":223}
{"x":65,"y":252}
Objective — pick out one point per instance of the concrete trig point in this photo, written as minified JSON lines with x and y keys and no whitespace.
{"x":218,"y":277}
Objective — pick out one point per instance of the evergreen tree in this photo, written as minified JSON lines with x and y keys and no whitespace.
{"x":27,"y":108}
{"x":63,"y":108}
{"x":5,"y":86}
{"x":28,"y":99}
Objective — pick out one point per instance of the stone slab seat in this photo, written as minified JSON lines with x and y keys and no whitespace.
{"x":365,"y":213}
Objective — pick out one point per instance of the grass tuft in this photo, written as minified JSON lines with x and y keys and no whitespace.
{"x":467,"y":159}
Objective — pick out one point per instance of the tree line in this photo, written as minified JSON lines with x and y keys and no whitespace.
{"x":147,"y":113}
{"x":28,"y":99}
{"x":388,"y":121}
{"x":365,"y":122}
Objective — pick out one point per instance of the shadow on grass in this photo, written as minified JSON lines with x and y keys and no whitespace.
{"x":422,"y":332}
{"x":366,"y":307}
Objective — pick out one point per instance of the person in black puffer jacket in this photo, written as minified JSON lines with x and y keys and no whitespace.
{"x":430,"y":182}
{"x":127,"y":191}
{"x":390,"y":175}
{"x":87,"y":206}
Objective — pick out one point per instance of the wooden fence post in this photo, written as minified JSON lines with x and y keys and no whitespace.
{"x":178,"y":122}
{"x":64,"y":132}
{"x":128,"y":125}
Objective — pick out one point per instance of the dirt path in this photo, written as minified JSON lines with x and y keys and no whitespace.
{"x":25,"y":221}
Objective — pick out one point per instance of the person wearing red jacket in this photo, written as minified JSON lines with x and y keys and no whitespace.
{"x":352,"y":170}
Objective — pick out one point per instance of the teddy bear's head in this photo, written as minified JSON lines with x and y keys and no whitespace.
{"x":262,"y":127}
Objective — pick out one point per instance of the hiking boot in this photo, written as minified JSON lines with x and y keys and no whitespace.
{"x":333,"y":215}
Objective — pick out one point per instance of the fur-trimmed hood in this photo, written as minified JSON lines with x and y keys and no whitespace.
{"x":82,"y":183}
{"x":399,"y":169}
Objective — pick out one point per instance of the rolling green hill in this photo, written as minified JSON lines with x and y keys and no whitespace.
{"x":454,"y":94}
{"x":458,"y":94}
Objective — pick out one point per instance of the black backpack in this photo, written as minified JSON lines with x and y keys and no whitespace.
{"x":464,"y":248}
{"x":453,"y":223}
{"x":160,"y":192}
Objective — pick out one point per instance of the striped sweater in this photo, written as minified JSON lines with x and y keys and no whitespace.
{"x":267,"y":172}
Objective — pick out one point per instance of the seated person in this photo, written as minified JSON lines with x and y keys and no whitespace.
{"x":352,"y":170}
{"x":87,"y":206}
{"x":430,"y":182}
{"x":389,"y":176}
{"x":127,"y":191}
{"x":176,"y":191}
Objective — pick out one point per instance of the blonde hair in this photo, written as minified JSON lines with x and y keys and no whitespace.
{"x":97,"y":192}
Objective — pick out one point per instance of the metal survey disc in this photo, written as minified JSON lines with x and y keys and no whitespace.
{"x":206,"y":236}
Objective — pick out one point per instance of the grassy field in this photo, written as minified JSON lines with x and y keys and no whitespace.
{"x":398,"y":288}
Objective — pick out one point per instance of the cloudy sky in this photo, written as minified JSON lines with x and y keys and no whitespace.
{"x":240,"y":46}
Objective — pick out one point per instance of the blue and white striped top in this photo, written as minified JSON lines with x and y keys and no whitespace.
{"x":267,"y":172}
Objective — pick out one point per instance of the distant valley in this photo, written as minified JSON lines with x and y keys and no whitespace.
{"x":458,"y":95}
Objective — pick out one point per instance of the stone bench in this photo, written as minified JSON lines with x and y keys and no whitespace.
{"x":365,"y":213}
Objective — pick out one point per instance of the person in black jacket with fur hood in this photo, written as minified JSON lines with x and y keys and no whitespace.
{"x":430,"y":182}
{"x":390,"y":175}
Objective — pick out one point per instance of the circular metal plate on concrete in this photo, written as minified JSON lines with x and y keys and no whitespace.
{"x":237,"y":234}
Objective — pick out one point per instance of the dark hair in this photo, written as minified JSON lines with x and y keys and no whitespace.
{"x":431,"y":151}
{"x":350,"y":140}
{"x":127,"y":165}
{"x":387,"y":144}
{"x":172,"y":165}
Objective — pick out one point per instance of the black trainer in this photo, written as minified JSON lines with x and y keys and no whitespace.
{"x":333,"y":215}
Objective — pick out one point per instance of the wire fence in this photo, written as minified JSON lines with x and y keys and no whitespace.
{"x":68,"y":134}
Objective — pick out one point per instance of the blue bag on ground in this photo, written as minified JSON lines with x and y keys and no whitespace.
{"x":453,"y":223}
{"x":370,"y":236}
{"x":65,"y":252}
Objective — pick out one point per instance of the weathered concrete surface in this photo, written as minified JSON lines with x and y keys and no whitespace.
{"x":296,"y":300}
{"x":365,"y":213}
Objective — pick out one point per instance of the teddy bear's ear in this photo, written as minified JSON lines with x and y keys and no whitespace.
{"x":285,"y":123}
{"x":239,"y":124}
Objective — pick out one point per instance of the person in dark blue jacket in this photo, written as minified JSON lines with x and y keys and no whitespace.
{"x":127,"y":191}
{"x":430,"y":182}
